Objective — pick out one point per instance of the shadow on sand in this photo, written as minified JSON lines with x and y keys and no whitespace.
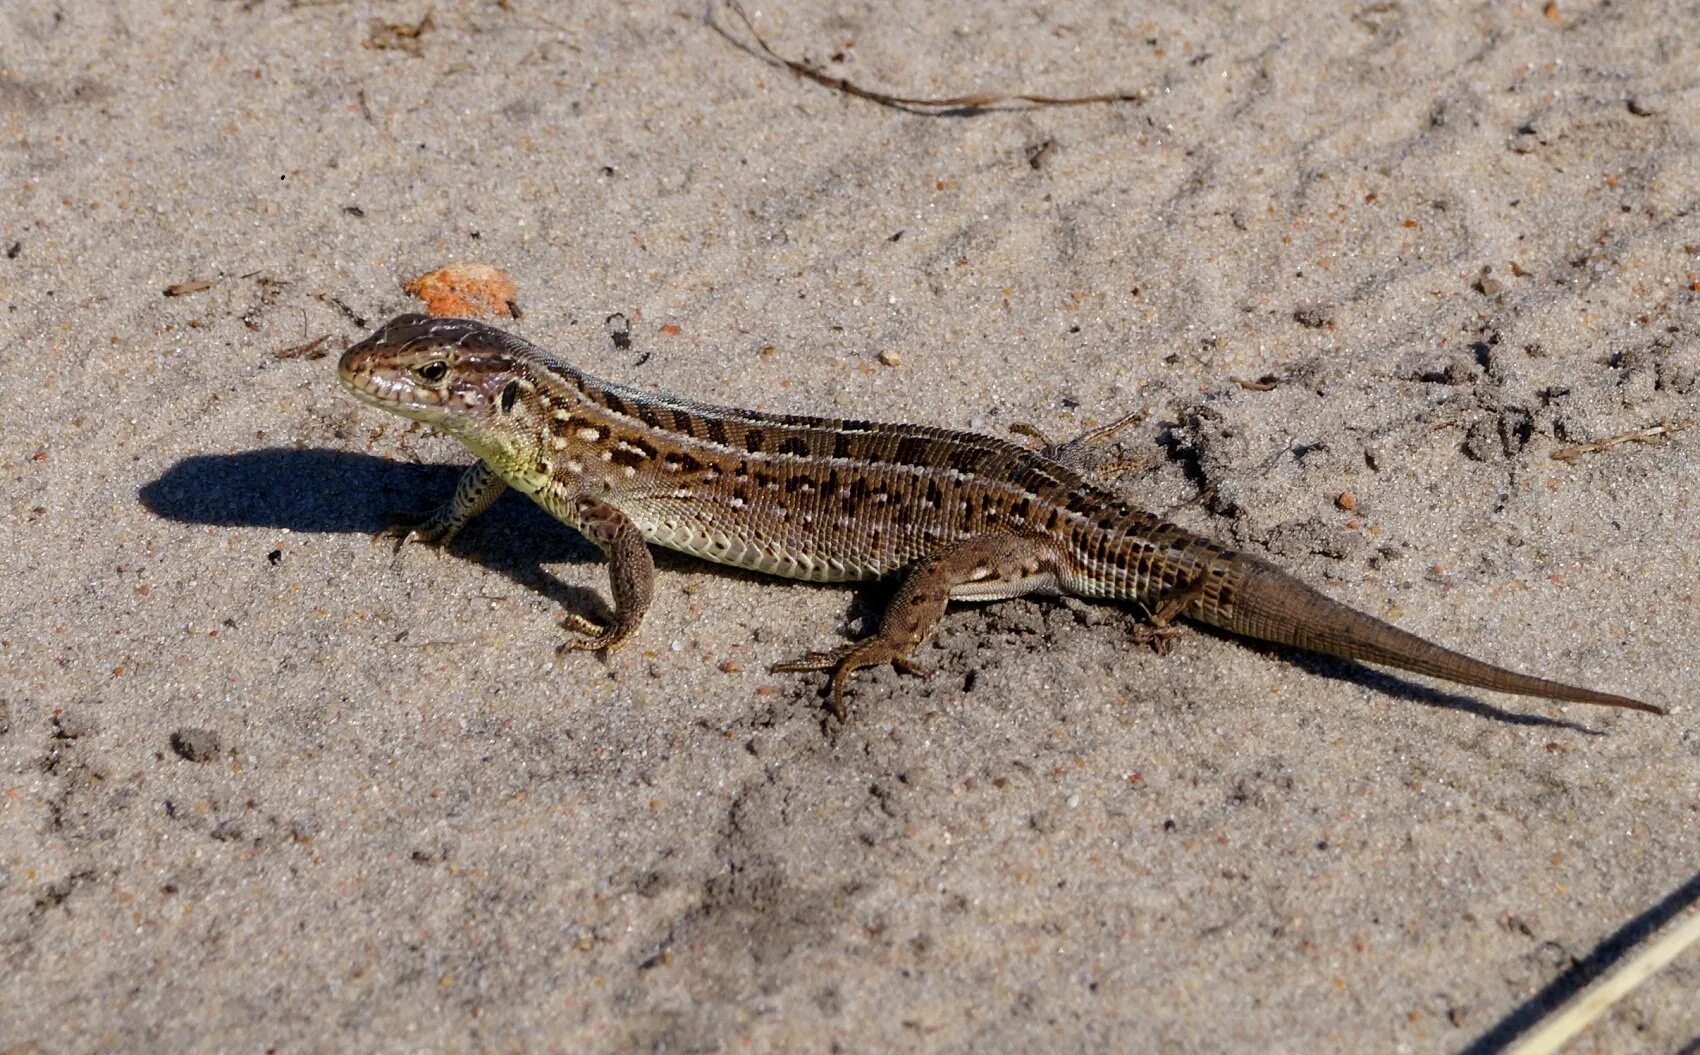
{"x":336,"y":492}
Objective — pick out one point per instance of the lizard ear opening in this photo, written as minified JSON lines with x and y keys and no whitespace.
{"x":510,"y":392}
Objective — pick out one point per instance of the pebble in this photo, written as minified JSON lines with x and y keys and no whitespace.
{"x":196,"y":745}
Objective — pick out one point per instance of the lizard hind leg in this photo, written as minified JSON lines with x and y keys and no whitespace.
{"x":985,"y":567}
{"x":1159,"y":627}
{"x":1072,"y":453}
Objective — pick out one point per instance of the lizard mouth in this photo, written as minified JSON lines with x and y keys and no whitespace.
{"x":352,"y":369}
{"x":355,"y":372}
{"x":364,"y":373}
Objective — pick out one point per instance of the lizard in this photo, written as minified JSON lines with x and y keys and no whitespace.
{"x":959,"y":516}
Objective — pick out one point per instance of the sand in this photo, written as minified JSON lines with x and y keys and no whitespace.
{"x":265,"y":785}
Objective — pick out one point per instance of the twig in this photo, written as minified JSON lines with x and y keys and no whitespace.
{"x":1560,"y":1028}
{"x":393,"y":36}
{"x":972,"y":102}
{"x":313,"y":349}
{"x":1648,"y":435}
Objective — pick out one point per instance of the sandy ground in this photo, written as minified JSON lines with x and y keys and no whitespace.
{"x":266,"y":786}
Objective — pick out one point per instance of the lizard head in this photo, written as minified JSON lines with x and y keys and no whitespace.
{"x":473,"y":381}
{"x":509,"y":401}
{"x":453,"y":373}
{"x":470,"y":380}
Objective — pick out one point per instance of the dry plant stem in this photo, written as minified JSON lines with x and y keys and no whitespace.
{"x":1562,"y":1027}
{"x":974,"y":101}
{"x":1653,"y":434}
{"x":313,"y":349}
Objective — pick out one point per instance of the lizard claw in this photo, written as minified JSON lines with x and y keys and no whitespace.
{"x":1031,"y":431}
{"x":597,"y":637}
{"x":845,"y":660}
{"x":813,"y":661}
{"x":405,"y":528}
{"x":1158,"y":637}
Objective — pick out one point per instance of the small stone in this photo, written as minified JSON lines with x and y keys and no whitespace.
{"x":196,"y":745}
{"x":891,"y":359}
{"x":1486,"y":284}
{"x":1312,"y":316}
{"x":1481,"y":441}
{"x":1346,"y":500}
{"x":73,"y":723}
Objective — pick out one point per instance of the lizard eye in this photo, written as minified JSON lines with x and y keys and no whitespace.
{"x":433,"y":371}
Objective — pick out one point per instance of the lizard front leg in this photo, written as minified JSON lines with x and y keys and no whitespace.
{"x":631,"y":574}
{"x":478,"y":488}
{"x":986,"y":567}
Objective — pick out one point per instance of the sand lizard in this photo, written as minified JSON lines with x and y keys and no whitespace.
{"x":958,"y":515}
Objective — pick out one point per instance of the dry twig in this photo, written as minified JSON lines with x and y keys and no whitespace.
{"x":1578,"y":1014}
{"x":313,"y":349}
{"x":1654,"y":434}
{"x":972,"y":102}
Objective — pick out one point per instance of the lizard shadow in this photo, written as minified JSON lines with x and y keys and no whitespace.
{"x":1392,"y":684}
{"x":329,"y":492}
{"x":318,"y":491}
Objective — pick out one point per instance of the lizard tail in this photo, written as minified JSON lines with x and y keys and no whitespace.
{"x":1270,"y":605}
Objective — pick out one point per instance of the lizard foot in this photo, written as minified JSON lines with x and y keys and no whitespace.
{"x":1159,"y":630}
{"x":1158,"y":637}
{"x":597,"y":638}
{"x":430,"y":528}
{"x":845,"y":660}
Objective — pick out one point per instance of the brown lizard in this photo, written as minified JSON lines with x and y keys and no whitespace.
{"x":958,"y":515}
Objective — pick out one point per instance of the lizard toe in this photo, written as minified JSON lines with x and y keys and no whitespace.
{"x":812,"y":660}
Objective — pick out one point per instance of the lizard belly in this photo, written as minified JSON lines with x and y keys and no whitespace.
{"x":1001,"y":589}
{"x":772,"y":556}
